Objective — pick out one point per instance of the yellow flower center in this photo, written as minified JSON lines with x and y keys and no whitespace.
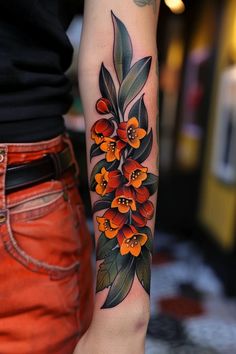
{"x":131,"y":242}
{"x":132,"y":133}
{"x":135,"y":174}
{"x":111,"y":147}
{"x":103,"y":183}
{"x":107,"y":225}
{"x":124,"y":201}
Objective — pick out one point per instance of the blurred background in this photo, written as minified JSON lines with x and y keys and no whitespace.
{"x":193,"y":299}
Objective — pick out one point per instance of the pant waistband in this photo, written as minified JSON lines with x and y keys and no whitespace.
{"x":22,"y":153}
{"x":25,"y":152}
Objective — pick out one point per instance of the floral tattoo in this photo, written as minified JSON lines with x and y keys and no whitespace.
{"x":120,"y":178}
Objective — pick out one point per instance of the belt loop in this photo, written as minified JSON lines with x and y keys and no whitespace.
{"x":3,"y":168}
{"x":68,"y":142}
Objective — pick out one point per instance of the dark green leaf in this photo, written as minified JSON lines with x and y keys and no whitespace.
{"x":107,"y":87}
{"x":116,"y":119}
{"x":95,"y":151}
{"x":122,"y":50}
{"x":134,"y":81}
{"x":139,"y":111}
{"x":143,"y":269}
{"x":129,"y":151}
{"x":151,"y":183}
{"x":122,"y":261}
{"x":97,"y":169}
{"x":122,"y":284}
{"x":143,"y":2}
{"x":107,"y":271}
{"x":110,"y":196}
{"x":145,"y":148}
{"x":101,"y":204}
{"x":146,"y":230}
{"x":112,"y":165}
{"x":104,"y":246}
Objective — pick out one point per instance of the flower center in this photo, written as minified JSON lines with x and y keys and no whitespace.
{"x":124,"y":201}
{"x":131,"y":242}
{"x":135,"y":174}
{"x":132,"y":133}
{"x":107,"y":225}
{"x":103,"y":183}
{"x":111,"y":146}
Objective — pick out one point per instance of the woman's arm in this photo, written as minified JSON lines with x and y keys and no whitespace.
{"x":118,"y":84}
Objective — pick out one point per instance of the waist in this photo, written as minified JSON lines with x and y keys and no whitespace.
{"x":25,"y":164}
{"x":33,"y":129}
{"x":21,"y":153}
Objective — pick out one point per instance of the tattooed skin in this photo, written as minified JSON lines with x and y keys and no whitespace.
{"x":142,"y":3}
{"x":120,"y":178}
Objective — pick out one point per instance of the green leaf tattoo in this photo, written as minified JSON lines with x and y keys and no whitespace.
{"x":142,"y":3}
{"x":122,"y":283}
{"x":122,"y":50}
{"x":134,"y":81}
{"x":124,"y":141}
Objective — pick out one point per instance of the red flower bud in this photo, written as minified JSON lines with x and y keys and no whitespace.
{"x":103,"y":106}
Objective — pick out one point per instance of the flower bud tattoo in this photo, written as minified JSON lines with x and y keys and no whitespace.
{"x":121,"y":180}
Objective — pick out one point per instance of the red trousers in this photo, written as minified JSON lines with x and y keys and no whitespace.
{"x":46,"y":285}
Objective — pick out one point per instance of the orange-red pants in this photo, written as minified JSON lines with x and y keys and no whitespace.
{"x":46,"y":285}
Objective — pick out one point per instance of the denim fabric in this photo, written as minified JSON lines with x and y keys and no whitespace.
{"x":46,"y":282}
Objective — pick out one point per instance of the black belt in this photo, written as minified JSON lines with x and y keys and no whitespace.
{"x":51,"y":166}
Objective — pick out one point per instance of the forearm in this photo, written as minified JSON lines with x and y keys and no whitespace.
{"x":124,"y":142}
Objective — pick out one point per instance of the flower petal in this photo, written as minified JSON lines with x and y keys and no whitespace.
{"x":122,"y":131}
{"x":143,"y":239}
{"x":124,"y":249}
{"x":138,"y":219}
{"x":142,"y":194}
{"x":147,"y":210}
{"x":135,"y":143}
{"x":111,"y":233}
{"x":141,"y":133}
{"x":135,"y":251}
{"x":133,"y":122}
{"x":129,"y":231}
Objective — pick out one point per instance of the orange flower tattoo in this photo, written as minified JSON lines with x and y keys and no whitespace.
{"x":134,"y":172}
{"x":113,"y":148}
{"x":120,"y":178}
{"x":131,"y":133}
{"x":124,"y":200}
{"x":111,"y":222}
{"x":107,"y":181}
{"x":101,"y":129}
{"x":131,"y":241}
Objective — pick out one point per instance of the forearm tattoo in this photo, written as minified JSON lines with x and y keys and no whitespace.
{"x":142,"y":3}
{"x":124,"y":141}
